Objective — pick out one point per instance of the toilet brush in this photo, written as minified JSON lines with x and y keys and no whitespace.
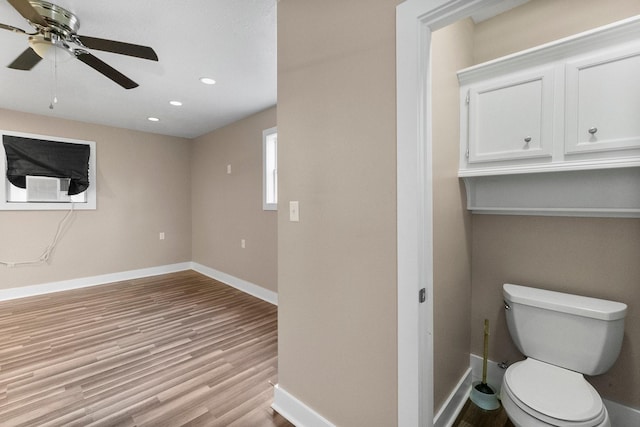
{"x":482,"y":394}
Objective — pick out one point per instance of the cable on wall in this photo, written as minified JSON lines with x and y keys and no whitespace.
{"x":47,"y":253}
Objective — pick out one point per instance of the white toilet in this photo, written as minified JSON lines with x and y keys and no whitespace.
{"x":563,"y":336}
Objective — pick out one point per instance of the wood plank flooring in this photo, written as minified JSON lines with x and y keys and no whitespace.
{"x":173,"y":350}
{"x":473,"y":416}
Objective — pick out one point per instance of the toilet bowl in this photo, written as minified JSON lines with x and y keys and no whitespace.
{"x":563,"y":336}
{"x":536,"y":394}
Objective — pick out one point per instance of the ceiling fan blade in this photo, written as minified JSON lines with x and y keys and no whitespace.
{"x":25,"y":9}
{"x":105,"y":69}
{"x":122,"y":48}
{"x":26,"y":61}
{"x":12,"y":28}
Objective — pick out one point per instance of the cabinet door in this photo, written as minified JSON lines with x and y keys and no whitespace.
{"x":603,"y":102}
{"x":511,"y":118}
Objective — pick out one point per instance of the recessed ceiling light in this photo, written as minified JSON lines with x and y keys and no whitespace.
{"x":207,"y":81}
{"x":175,"y":103}
{"x":153,"y":119}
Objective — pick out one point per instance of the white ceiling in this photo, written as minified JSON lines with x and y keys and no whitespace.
{"x":232,"y":41}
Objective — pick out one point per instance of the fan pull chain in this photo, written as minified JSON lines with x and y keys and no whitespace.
{"x":54,"y":85}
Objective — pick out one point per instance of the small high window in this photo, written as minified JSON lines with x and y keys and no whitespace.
{"x":270,"y":169}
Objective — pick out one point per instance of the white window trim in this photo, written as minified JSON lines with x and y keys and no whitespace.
{"x":90,"y":204}
{"x":265,"y":134}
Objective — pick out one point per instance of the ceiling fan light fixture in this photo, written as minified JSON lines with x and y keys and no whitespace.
{"x":153,"y":119}
{"x":175,"y":103}
{"x":49,"y":50}
{"x":56,"y":30}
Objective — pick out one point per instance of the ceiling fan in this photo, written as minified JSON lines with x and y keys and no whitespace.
{"x":56,"y":32}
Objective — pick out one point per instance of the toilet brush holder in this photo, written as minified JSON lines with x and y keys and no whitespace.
{"x":482,"y":394}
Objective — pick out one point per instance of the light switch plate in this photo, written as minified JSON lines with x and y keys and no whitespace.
{"x":294,"y":211}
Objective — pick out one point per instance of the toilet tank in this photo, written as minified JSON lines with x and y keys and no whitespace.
{"x":574,"y":332}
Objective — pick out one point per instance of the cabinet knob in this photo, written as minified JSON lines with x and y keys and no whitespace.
{"x":593,"y":130}
{"x":527,"y":139}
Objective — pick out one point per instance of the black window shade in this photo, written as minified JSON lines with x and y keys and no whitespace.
{"x":37,"y":157}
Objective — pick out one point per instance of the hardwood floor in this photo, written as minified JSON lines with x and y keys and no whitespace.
{"x":172,"y":350}
{"x":473,"y":416}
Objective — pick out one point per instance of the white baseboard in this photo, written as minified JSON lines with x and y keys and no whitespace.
{"x":66,"y":285}
{"x":620,"y":415}
{"x":449,"y":411}
{"x":295,"y":411}
{"x":84,"y":282}
{"x":243,"y":285}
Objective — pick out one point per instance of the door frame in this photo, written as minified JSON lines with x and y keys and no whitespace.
{"x":415,"y":21}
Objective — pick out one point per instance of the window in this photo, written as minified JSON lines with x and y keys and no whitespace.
{"x":46,"y":173}
{"x":270,"y":169}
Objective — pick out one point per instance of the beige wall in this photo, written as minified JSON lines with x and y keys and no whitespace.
{"x":596,"y":257}
{"x":228,"y":207}
{"x":146,"y":185}
{"x":543,"y":21}
{"x":143,"y":189}
{"x":337,"y":266}
{"x":452,"y":50}
{"x":589,"y":256}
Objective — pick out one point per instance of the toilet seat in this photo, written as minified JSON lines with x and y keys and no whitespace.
{"x":553,"y":395}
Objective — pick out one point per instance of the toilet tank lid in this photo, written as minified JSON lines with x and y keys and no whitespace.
{"x":566,"y":303}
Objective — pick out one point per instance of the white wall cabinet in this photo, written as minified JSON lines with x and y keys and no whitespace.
{"x":603,"y":102}
{"x":541,"y":122}
{"x":510,"y":118}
